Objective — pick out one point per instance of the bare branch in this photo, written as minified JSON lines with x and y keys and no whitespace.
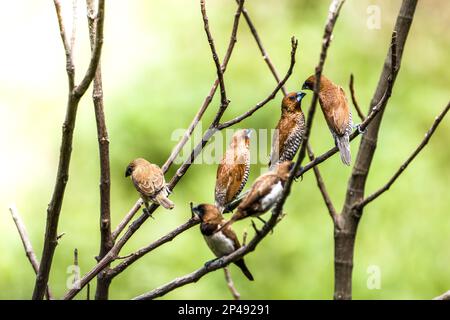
{"x":176,"y":151}
{"x":444,"y":296}
{"x":355,"y":102}
{"x":75,"y":93}
{"x":322,"y":187}
{"x":264,"y":53}
{"x":106,"y":240}
{"x":403,"y":167}
{"x":294,"y":44}
{"x":121,"y":226}
{"x":74,"y":24}
{"x":230,"y":284}
{"x":223,"y":96}
{"x":27,"y":244}
{"x":133,"y":257}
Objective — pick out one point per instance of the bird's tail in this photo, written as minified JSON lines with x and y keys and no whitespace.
{"x":162,"y":199}
{"x":343,"y":143}
{"x":241,"y":264}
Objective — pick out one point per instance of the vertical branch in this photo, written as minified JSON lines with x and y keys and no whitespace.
{"x":345,"y":237}
{"x":27,"y":244}
{"x":106,"y":240}
{"x":236,"y":295}
{"x":62,"y":177}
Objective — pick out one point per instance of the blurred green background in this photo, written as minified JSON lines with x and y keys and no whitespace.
{"x":157,"y":69}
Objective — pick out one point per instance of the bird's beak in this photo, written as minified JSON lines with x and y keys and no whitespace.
{"x":300,"y":96}
{"x":128,"y":172}
{"x":305,"y":86}
{"x":197,"y":210}
{"x":248,"y":133}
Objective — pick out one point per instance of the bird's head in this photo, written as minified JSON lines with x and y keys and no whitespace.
{"x":240,"y":137}
{"x":311,"y":82}
{"x":284,"y":169}
{"x":133,"y":164}
{"x":293,"y":101}
{"x":207,"y":213}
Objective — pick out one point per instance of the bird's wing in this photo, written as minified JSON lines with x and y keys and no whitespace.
{"x":262,"y":186}
{"x":280,"y":136}
{"x":340,"y":112}
{"x":150,"y":180}
{"x":227,"y":231}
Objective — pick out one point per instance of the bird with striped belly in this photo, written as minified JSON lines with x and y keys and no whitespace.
{"x":289,"y":131}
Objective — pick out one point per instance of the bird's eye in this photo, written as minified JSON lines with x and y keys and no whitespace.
{"x":292,"y":98}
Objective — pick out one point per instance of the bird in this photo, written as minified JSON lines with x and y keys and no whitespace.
{"x":233,"y":170}
{"x":335,"y":108}
{"x":148,"y":179}
{"x":223,"y":242}
{"x":289,"y":131}
{"x":264,"y":193}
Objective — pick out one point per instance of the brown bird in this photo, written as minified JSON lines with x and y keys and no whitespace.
{"x":148,"y":179}
{"x":289,"y":131}
{"x":264,"y":193}
{"x":233,"y":170}
{"x":222,"y":242}
{"x":337,"y":113}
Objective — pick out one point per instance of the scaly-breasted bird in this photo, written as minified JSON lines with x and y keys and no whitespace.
{"x":222,"y":242}
{"x":337,"y":113}
{"x":289,"y":131}
{"x":148,"y":179}
{"x":233,"y":170}
{"x":264,"y":193}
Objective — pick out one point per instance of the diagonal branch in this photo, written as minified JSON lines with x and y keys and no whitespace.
{"x":294,"y":44}
{"x":403,"y":167}
{"x":355,"y":102}
{"x":27,"y":244}
{"x":322,"y":187}
{"x":223,"y":96}
{"x":129,"y":260}
{"x":264,"y":53}
{"x":176,"y":151}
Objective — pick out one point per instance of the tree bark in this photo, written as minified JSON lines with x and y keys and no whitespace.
{"x":346,"y":228}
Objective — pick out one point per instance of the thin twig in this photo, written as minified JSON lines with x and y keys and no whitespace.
{"x":403,"y":167}
{"x":27,"y":244}
{"x":294,"y":44}
{"x":223,"y":96}
{"x":121,"y":226}
{"x":177,"y":149}
{"x":355,"y":102}
{"x":236,"y":295}
{"x":264,"y":53}
{"x":133,"y":257}
{"x":322,"y":187}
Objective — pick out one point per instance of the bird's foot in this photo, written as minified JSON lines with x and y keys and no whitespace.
{"x":147,"y":212}
{"x":299,"y":177}
{"x":358,"y":127}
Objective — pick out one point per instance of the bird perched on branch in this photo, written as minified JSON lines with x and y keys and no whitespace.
{"x":264,"y":193}
{"x":289,"y":131}
{"x":223,"y":242}
{"x":337,"y":113}
{"x":233,"y":170}
{"x":148,"y":179}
